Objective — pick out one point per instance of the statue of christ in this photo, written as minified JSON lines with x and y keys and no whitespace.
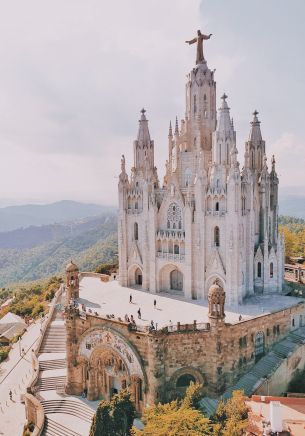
{"x":199,"y":39}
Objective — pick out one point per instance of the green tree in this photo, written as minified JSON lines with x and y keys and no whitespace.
{"x":114,"y":417}
{"x":231,"y":417}
{"x":176,"y":418}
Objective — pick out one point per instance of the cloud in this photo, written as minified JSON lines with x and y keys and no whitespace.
{"x":74,"y":76}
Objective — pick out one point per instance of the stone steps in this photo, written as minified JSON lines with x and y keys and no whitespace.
{"x":45,"y":365}
{"x":54,"y":340}
{"x":50,"y":383}
{"x":52,"y":428}
{"x":69,"y":407}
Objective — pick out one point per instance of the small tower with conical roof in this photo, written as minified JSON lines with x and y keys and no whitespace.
{"x":72,"y":282}
{"x":255,"y":146}
{"x":216,"y":299}
{"x":143,"y":145}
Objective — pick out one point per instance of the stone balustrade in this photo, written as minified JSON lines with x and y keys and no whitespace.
{"x":171,"y":234}
{"x":34,"y":413}
{"x":171,"y":256}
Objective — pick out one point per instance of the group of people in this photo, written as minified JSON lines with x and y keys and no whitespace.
{"x":131,"y":320}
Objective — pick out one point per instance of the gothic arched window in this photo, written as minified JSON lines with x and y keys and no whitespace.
{"x":187,"y":176}
{"x":195,"y":104}
{"x":176,"y":249}
{"x":136,"y":231}
{"x":217,"y":206}
{"x":271,"y":270}
{"x":216,"y":236}
{"x":174,"y":216}
{"x":259,"y":269}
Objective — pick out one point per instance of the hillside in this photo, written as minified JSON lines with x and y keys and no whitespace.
{"x":90,"y":243}
{"x":14,"y":217}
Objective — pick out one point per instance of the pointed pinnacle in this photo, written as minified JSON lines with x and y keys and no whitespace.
{"x":170,"y":131}
{"x":176,"y":127}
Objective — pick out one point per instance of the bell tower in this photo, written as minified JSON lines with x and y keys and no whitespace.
{"x":72,"y":282}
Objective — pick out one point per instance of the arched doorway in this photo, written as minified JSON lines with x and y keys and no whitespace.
{"x":185,"y":380}
{"x":176,"y":280}
{"x":109,"y":364}
{"x":138,"y":277}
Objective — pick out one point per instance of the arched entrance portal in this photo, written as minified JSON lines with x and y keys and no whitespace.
{"x":138,"y":277}
{"x":135,"y":275}
{"x":176,"y":280}
{"x":109,"y":364}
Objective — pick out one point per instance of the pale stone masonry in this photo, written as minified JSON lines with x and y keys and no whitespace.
{"x":209,"y":220}
{"x":199,"y":257}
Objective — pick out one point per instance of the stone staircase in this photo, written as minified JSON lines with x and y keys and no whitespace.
{"x":45,"y":365}
{"x":69,"y":407}
{"x":53,"y":428}
{"x":54,"y":340}
{"x":51,"y":383}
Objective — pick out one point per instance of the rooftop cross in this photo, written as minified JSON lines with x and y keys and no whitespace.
{"x":224,"y":97}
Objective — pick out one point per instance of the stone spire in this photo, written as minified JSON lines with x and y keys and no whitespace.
{"x":176,"y":127}
{"x":170,"y":130}
{"x":255,"y":146}
{"x":143,"y":132}
{"x":224,"y":137}
{"x":224,"y":122}
{"x":143,"y":146}
{"x":255,"y":131}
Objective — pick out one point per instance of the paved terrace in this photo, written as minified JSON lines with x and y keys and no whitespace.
{"x":111,"y":298}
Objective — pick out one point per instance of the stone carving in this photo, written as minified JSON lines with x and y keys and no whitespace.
{"x":199,"y":39}
{"x":105,"y":338}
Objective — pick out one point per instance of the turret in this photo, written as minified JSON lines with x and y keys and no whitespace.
{"x":255,"y":146}
{"x":200,"y":111}
{"x":224,"y":137}
{"x":72,"y":282}
{"x":143,"y":146}
{"x":216,"y":299}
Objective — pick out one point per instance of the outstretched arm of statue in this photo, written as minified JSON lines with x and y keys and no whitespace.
{"x":192,"y":41}
{"x":207,"y":36}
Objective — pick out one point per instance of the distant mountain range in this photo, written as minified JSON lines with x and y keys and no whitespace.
{"x":41,"y":251}
{"x":36,"y":241}
{"x":15,"y":217}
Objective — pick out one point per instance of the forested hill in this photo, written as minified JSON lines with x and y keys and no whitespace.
{"x":39,"y":252}
{"x":15,"y":217}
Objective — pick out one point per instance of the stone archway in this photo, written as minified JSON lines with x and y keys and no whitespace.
{"x":171,"y":279}
{"x":110,"y":364}
{"x":181,"y":379}
{"x":135,"y":275}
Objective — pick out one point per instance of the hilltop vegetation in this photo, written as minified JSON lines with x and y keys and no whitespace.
{"x":294,"y":232}
{"x":30,"y":299}
{"x":90,"y":244}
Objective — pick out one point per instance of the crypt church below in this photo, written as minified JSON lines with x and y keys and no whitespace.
{"x":210,"y":220}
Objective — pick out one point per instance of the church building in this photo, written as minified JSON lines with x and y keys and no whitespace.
{"x":211,"y":219}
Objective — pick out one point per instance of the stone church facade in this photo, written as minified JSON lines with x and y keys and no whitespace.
{"x":210,"y":219}
{"x":105,"y":354}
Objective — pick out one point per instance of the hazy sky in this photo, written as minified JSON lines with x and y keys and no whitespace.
{"x":74,"y":75}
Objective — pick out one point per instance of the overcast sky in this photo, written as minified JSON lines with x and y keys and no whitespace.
{"x":74,"y":75}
